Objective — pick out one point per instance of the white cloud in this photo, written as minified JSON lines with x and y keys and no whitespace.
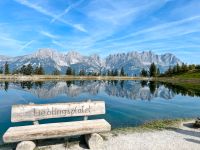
{"x":158,"y":28}
{"x":49,"y":35}
{"x":67,"y":10}
{"x":9,"y":43}
{"x":26,"y":44}
{"x":50,"y":14}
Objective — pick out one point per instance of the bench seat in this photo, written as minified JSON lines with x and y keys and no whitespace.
{"x":55,"y":130}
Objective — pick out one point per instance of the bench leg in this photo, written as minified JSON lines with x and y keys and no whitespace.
{"x":26,"y":145}
{"x":94,"y":141}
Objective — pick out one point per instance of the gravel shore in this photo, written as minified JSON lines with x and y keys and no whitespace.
{"x":183,"y":138}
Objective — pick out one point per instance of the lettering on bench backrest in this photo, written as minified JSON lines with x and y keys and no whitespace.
{"x":35,"y":112}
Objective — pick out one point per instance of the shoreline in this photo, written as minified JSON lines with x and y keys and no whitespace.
{"x":69,"y":77}
{"x":65,"y":78}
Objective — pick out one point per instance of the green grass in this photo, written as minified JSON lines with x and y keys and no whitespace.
{"x":151,"y":126}
{"x":190,"y":74}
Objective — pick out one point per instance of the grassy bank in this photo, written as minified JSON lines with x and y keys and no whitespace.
{"x":152,"y":125}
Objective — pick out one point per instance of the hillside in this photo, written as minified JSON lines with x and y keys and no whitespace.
{"x":190,"y":74}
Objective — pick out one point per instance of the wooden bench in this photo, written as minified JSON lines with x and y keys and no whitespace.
{"x":36,"y":112}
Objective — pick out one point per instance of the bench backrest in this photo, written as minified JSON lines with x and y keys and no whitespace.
{"x":34,"y":112}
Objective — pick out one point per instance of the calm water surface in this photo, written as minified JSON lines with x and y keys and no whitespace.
{"x":128,"y":103}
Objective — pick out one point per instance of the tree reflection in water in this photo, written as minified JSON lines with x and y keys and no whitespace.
{"x":144,"y":90}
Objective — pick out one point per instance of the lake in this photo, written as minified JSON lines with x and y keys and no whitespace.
{"x":128,"y":103}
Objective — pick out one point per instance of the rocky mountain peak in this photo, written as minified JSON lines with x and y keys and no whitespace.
{"x":132,"y":62}
{"x":45,"y":52}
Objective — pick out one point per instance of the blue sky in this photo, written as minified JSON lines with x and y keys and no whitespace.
{"x":101,"y":26}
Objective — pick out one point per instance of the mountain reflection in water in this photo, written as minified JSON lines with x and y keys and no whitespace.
{"x":144,"y":90}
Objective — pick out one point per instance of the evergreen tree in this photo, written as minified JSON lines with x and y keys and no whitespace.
{"x":23,"y":69}
{"x":144,"y":73}
{"x":152,"y":70}
{"x":122,"y":73}
{"x":6,"y":71}
{"x":184,"y":67}
{"x":82,"y":72}
{"x":197,"y":67}
{"x":112,"y":73}
{"x":1,"y":70}
{"x":108,"y":73}
{"x":69,"y":71}
{"x":170,"y":71}
{"x":36,"y":70}
{"x":41,"y":71}
{"x":158,"y":72}
{"x":116,"y":72}
{"x":29,"y":70}
{"x":56,"y":72}
{"x":178,"y":68}
{"x":175,"y":70}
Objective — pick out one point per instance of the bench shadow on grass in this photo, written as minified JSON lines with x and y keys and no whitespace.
{"x":192,"y":140}
{"x":188,"y":132}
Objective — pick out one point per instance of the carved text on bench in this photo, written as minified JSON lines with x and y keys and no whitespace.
{"x":63,"y":112}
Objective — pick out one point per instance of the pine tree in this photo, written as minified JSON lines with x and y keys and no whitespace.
{"x":152,"y":70}
{"x":122,"y":73}
{"x":178,"y":68}
{"x":56,"y":72}
{"x":158,"y":72}
{"x":6,"y":71}
{"x":41,"y":71}
{"x":170,"y":71}
{"x":112,"y":73}
{"x":36,"y":70}
{"x":29,"y":69}
{"x":116,"y":72}
{"x":108,"y":73}
{"x":144,"y":73}
{"x":82,"y":72}
{"x":23,"y":69}
{"x":69,"y":71}
{"x":1,"y":70}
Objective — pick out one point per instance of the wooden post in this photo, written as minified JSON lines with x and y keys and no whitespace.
{"x":26,"y":145}
{"x":36,"y":122}
{"x":86,"y":117}
{"x":94,"y":141}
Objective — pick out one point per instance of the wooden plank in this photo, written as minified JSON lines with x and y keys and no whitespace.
{"x":34,"y":112}
{"x":55,"y":130}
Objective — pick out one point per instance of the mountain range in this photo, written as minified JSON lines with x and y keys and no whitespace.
{"x":132,"y":62}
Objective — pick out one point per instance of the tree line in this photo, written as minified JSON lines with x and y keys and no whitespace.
{"x":39,"y":70}
{"x":180,"y":69}
{"x":153,"y":71}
